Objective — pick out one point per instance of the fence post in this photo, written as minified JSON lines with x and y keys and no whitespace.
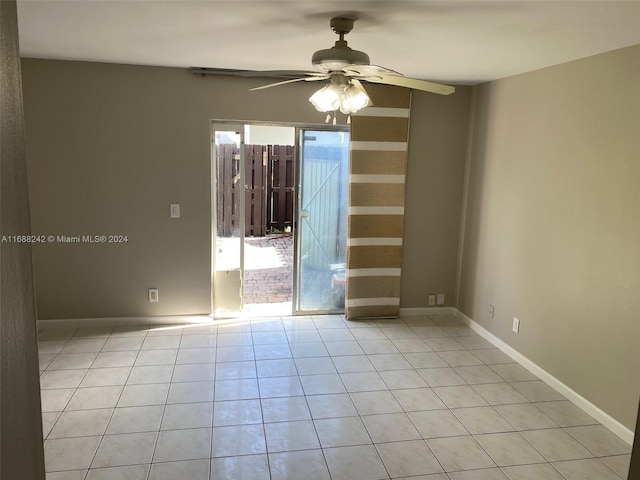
{"x":263,"y":192}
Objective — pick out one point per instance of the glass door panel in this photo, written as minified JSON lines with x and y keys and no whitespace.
{"x":322,"y":220}
{"x":228,"y":212}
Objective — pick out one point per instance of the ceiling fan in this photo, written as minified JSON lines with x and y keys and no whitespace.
{"x":344,"y":67}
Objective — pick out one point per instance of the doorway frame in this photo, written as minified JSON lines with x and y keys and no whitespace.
{"x":229,"y":125}
{"x":233,"y":125}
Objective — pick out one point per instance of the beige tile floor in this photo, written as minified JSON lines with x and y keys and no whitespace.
{"x":307,"y":398}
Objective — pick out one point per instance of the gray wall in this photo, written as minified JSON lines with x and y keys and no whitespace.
{"x":435,"y":173}
{"x":109,"y":148}
{"x":21,"y":452}
{"x":552,"y":230}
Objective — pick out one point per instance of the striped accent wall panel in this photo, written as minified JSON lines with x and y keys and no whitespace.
{"x":379,"y":136}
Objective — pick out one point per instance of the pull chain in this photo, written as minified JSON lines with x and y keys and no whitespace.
{"x":334,"y":118}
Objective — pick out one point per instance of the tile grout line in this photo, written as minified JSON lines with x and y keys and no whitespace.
{"x":322,"y":449}
{"x":116,"y":406}
{"x":264,"y":431}
{"x":164,"y":409}
{"x":378,"y":371}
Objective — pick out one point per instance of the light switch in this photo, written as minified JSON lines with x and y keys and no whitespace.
{"x":175,"y":210}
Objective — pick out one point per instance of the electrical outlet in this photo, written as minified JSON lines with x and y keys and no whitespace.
{"x":432,"y":300}
{"x":153,"y":295}
{"x":175,"y":210}
{"x":516,"y":325}
{"x":491,"y":310}
{"x":440,"y":299}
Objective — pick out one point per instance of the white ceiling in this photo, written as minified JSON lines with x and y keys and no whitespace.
{"x":453,"y":41}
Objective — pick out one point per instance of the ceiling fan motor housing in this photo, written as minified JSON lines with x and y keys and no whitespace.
{"x":340,"y":55}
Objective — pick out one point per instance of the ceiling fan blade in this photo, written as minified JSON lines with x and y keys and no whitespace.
{"x":283,"y":73}
{"x":284,"y":82}
{"x":367,"y":70}
{"x":253,"y":73}
{"x":411,"y":83}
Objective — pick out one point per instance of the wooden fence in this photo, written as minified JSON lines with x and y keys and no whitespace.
{"x":281,"y":175}
{"x":227,"y":180}
{"x":268,"y":189}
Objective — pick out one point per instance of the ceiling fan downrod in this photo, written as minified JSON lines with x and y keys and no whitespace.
{"x":342,"y":26}
{"x":340,"y":55}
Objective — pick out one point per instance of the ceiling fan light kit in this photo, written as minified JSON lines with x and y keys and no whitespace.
{"x":342,"y":94}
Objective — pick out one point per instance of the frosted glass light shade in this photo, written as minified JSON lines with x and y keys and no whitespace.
{"x":327,"y":99}
{"x":353,"y":99}
{"x":346,"y":96}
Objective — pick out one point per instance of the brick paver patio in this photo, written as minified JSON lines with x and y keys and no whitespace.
{"x":272,"y":284}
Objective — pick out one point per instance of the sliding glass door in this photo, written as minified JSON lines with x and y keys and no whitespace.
{"x":322,"y":220}
{"x":285,"y":181}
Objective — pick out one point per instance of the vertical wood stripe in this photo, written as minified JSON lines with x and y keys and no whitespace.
{"x":382,"y":163}
{"x":380,"y":129}
{"x":362,"y":195}
{"x":375,"y":286}
{"x":375,"y":256}
{"x":379,"y":137}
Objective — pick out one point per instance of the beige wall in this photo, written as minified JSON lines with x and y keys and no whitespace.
{"x":552,"y":233}
{"x":21,"y":452}
{"x":435,"y":173}
{"x":111,"y":146}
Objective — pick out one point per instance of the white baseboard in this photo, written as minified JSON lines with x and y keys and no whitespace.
{"x":122,"y":321}
{"x":177,"y":319}
{"x":411,"y":312}
{"x":605,"y":419}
